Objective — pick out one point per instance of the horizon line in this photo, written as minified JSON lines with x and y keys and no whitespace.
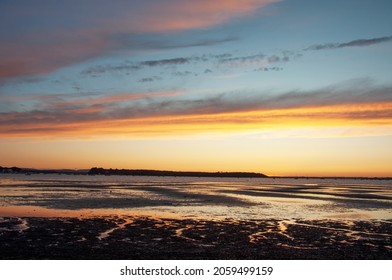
{"x":59,"y":170}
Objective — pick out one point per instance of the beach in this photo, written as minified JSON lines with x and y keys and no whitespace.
{"x":127,"y":217}
{"x":147,"y":238}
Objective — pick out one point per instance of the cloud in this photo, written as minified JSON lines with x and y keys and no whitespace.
{"x":114,"y":98}
{"x":212,"y":60}
{"x":134,"y":66}
{"x":157,"y":111}
{"x":49,"y":35}
{"x":138,"y":65}
{"x":150,"y":79}
{"x":267,"y":69}
{"x":355,"y":43}
{"x":100,"y":69}
{"x":251,"y":59}
{"x":164,"y":62}
{"x":179,"y":15}
{"x":257,"y":59}
{"x":168,"y":41}
{"x":183,"y":73}
{"x":30,"y":56}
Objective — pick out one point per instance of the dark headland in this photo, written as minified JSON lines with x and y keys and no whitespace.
{"x":146,"y":172}
{"x":162,"y":173}
{"x":132,"y":172}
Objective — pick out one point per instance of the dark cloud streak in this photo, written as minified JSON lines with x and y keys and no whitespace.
{"x":134,"y":66}
{"x":139,"y":65}
{"x":150,"y":79}
{"x":134,"y":42}
{"x":243,"y":59}
{"x":354,"y":43}
{"x":164,"y":62}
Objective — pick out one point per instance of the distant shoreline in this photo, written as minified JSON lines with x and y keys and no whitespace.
{"x":331,"y":177}
{"x":144,"y":172}
{"x":166,"y":173}
{"x":131,"y":172}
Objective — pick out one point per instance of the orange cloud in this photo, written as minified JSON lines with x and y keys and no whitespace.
{"x":46,"y":53}
{"x":179,"y":15}
{"x":355,"y":115}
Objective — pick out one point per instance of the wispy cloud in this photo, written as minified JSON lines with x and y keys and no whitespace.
{"x":258,"y":59}
{"x":354,"y":43}
{"x":150,"y":79}
{"x":264,"y":61}
{"x":268,"y":69}
{"x":183,"y":73}
{"x":134,"y":66}
{"x":250,"y":59}
{"x":210,"y":60}
{"x":168,"y":41}
{"x":100,"y":69}
{"x":29,"y":55}
{"x":163,"y":62}
{"x":77,"y":34}
{"x":180,"y":15}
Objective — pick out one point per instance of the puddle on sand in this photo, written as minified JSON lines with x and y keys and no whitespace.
{"x":120,"y":224}
{"x":17,"y":224}
{"x":191,"y":235}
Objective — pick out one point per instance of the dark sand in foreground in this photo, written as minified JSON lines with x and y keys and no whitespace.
{"x":153,"y":238}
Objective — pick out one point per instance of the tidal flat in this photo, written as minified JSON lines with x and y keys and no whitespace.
{"x":153,"y":238}
{"x":122,"y":217}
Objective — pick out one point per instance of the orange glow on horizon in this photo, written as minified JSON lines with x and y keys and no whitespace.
{"x":355,"y":115}
{"x":297,"y":142}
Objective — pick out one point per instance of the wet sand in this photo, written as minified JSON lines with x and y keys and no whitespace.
{"x":120,"y":217}
{"x":127,"y":237}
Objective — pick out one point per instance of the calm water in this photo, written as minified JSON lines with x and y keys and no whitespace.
{"x":212,"y":198}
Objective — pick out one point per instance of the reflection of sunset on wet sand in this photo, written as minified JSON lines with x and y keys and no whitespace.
{"x":212,"y":198}
{"x":206,"y":215}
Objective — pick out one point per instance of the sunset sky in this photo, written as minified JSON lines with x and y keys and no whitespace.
{"x":282,"y":87}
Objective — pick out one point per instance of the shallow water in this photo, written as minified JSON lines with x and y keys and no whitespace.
{"x":199,"y":198}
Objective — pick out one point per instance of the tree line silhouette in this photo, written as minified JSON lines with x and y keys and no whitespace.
{"x":145,"y":172}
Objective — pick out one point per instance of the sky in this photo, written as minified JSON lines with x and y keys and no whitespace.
{"x":281,"y":87}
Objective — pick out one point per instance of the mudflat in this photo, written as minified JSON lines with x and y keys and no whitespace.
{"x":127,"y":237}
